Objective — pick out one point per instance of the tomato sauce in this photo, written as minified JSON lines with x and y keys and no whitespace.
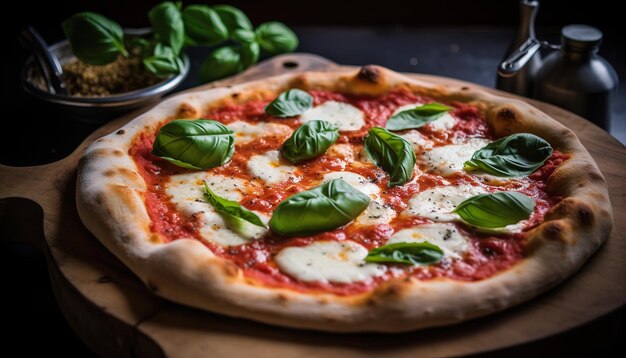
{"x":488,"y":254}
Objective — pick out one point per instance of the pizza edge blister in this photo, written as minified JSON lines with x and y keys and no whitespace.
{"x":111,"y":205}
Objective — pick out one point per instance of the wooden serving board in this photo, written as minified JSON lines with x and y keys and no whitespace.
{"x":112,"y":312}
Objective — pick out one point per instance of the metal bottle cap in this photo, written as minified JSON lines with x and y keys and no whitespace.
{"x":581,"y":37}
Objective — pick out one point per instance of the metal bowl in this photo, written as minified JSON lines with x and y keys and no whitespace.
{"x":94,"y":109}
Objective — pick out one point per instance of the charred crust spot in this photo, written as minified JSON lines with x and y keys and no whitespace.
{"x":300,"y":81}
{"x":235,"y":95}
{"x":553,"y":231}
{"x":585,"y":215}
{"x":109,"y":173}
{"x":128,"y":173}
{"x":282,"y":298}
{"x":187,"y":111}
{"x":120,"y":132}
{"x":118,"y":153}
{"x":371,"y":302}
{"x":392,"y":291}
{"x":152,"y":286}
{"x":155,"y":239}
{"x":322,"y":301}
{"x":369,"y":73}
{"x":230,"y":269}
{"x":99,"y":199}
{"x":465,"y":88}
{"x":507,"y":115}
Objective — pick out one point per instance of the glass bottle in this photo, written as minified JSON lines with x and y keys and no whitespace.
{"x":577,"y":78}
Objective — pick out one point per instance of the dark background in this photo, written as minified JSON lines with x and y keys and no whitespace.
{"x":406,"y":36}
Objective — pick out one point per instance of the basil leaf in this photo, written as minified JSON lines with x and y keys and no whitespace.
{"x":416,"y":117}
{"x":495,"y":210}
{"x":249,"y":54}
{"x":411,"y":253}
{"x":163,"y":62}
{"x":203,"y":25}
{"x":289,"y":103}
{"x":233,"y":18}
{"x":94,"y":39}
{"x":223,"y":62}
{"x":167,"y":23}
{"x":516,"y":155}
{"x":231,"y":208}
{"x":309,"y":141}
{"x":392,"y":153}
{"x":243,"y":36}
{"x":195,"y":144}
{"x":140,"y":43}
{"x":275,"y":38}
{"x":328,"y":206}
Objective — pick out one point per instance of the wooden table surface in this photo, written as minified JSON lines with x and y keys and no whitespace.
{"x":116,"y":316}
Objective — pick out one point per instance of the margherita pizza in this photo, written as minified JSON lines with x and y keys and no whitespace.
{"x":345,"y":201}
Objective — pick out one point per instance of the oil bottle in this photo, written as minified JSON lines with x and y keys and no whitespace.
{"x":577,"y":78}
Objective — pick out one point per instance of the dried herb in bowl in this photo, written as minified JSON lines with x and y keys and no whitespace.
{"x":124,"y":74}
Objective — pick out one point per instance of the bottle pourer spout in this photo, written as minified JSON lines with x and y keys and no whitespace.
{"x":519,"y":58}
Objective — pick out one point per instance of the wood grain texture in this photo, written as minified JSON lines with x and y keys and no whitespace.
{"x":116,"y":316}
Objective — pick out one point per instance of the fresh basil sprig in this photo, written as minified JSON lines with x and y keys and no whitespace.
{"x":223,"y":62}
{"x":195,"y":144}
{"x":392,"y":153}
{"x":163,"y":62}
{"x":309,"y":141}
{"x":516,"y":155}
{"x":495,"y":210}
{"x":411,"y":253}
{"x":97,"y":40}
{"x":416,"y":117}
{"x":94,"y":39}
{"x":275,"y":37}
{"x":328,"y":206}
{"x":203,"y":25}
{"x":289,"y":103}
{"x":231,"y":209}
{"x":167,"y":23}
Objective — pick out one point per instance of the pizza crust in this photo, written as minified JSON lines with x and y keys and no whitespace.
{"x":110,"y":204}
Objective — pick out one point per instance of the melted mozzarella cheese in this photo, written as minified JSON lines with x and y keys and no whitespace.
{"x":270,"y":168}
{"x":343,"y":115}
{"x":417,"y":140}
{"x":359,"y":182}
{"x":189,"y":186}
{"x":442,"y":123}
{"x":437,"y":203}
{"x":328,"y":261}
{"x":341,"y":151}
{"x":449,"y":159}
{"x":446,"y":236}
{"x":186,"y":192}
{"x":247,"y":132}
{"x":375,"y":213}
{"x":227,"y":232}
